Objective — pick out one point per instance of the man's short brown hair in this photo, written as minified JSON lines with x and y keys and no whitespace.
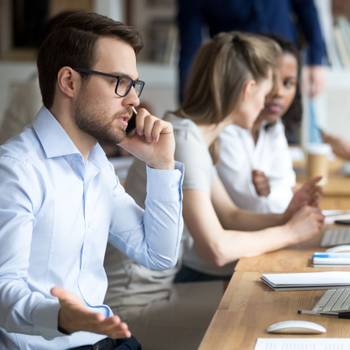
{"x":72,"y":44}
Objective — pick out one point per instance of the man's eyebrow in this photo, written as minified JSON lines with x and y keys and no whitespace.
{"x":120,"y":74}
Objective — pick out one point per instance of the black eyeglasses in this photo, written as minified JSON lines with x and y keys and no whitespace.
{"x":123,"y":82}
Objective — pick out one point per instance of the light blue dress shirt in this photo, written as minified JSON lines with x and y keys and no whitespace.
{"x":57,"y":212}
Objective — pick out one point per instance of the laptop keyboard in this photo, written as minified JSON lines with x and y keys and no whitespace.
{"x":334,"y":300}
{"x":335,"y":235}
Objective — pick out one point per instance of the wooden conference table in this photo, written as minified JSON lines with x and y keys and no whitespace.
{"x":248,"y":307}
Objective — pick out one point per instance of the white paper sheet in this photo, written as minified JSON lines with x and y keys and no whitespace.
{"x":305,"y":280}
{"x":302,"y":344}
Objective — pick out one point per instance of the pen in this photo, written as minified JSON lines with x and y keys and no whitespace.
{"x":339,"y":314}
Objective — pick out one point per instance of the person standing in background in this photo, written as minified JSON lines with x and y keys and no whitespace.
{"x":289,"y":19}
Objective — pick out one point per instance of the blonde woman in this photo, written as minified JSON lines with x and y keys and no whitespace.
{"x":231,"y":76}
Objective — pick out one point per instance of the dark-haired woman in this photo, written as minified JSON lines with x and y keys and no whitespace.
{"x":254,"y":164}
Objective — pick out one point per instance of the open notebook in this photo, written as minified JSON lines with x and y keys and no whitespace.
{"x":306,"y":280}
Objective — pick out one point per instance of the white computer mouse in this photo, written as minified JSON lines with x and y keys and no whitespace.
{"x":339,"y":249}
{"x":296,"y":327}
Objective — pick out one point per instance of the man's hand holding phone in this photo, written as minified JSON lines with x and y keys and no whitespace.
{"x":152,"y":141}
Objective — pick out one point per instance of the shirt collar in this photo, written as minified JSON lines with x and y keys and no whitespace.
{"x":57,"y":143}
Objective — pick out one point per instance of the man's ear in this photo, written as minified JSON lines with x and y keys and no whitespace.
{"x":68,"y":81}
{"x":249,"y":87}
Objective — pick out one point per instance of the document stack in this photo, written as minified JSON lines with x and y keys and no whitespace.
{"x":306,"y":280}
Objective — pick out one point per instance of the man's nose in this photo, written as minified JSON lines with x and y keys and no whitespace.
{"x":131,"y":99}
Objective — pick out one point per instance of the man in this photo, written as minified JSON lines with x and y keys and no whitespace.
{"x":60,"y":199}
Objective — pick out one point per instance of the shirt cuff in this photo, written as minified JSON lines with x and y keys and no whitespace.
{"x":165,"y":184}
{"x":45,"y":319}
{"x":105,"y":310}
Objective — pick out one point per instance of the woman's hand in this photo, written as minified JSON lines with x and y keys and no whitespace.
{"x":307,"y":195}
{"x":261,"y":183}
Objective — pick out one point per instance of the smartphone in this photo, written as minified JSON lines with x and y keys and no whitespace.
{"x":342,"y":222}
{"x":131,"y":124}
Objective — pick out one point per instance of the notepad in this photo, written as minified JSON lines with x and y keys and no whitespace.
{"x":304,"y":344}
{"x":321,"y":259}
{"x":306,"y":280}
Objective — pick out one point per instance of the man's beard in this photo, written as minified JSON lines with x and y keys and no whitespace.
{"x":94,"y":125}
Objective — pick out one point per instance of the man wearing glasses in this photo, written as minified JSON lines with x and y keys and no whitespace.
{"x":61,"y":202}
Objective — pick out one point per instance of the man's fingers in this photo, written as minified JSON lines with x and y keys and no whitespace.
{"x":56,"y":292}
{"x":66,"y":297}
{"x":147,"y":127}
{"x":140,"y":126}
{"x":150,"y":126}
{"x":140,"y":120}
{"x":121,"y":331}
{"x":153,"y":127}
{"x":111,"y":321}
{"x":61,"y":294}
{"x":156,"y":131}
{"x":114,"y":327}
{"x":96,"y":318}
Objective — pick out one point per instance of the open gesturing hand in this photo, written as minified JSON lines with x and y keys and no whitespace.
{"x":74,"y":316}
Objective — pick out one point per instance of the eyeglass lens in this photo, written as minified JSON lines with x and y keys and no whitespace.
{"x":124,"y":85}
